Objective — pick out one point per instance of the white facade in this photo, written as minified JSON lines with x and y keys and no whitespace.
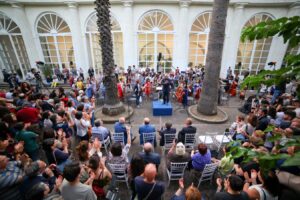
{"x":129,"y":14}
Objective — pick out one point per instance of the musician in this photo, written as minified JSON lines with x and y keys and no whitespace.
{"x":166,"y":83}
{"x":185,"y":96}
{"x":179,"y":93}
{"x":232,"y":90}
{"x":138,"y":92}
{"x":147,"y":88}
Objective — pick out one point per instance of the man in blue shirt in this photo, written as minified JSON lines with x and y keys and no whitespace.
{"x":146,"y":186}
{"x":99,"y":131}
{"x":120,"y":127}
{"x":146,"y":128}
{"x":149,"y":156}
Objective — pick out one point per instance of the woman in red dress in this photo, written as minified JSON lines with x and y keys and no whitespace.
{"x":147,"y":88}
{"x":120,"y":90}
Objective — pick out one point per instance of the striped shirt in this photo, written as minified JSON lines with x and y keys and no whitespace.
{"x":9,"y":181}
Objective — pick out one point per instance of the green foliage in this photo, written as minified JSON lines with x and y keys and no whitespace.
{"x":266,"y":160}
{"x":288,"y":28}
{"x":293,"y":160}
{"x":269,"y":77}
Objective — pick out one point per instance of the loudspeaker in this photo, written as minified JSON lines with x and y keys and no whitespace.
{"x":39,"y":63}
{"x":159,"y":56}
{"x":271,"y":63}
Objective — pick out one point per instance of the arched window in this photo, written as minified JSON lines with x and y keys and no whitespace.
{"x":199,"y":39}
{"x":293,"y":51}
{"x":12,"y":48}
{"x":252,"y":56}
{"x":93,"y":39}
{"x":155,"y":41}
{"x":56,"y":40}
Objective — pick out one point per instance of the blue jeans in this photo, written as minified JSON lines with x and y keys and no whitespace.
{"x":137,"y":99}
{"x":276,"y":94}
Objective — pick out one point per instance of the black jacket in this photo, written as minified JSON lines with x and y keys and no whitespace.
{"x":263,"y":123}
{"x":181,"y":134}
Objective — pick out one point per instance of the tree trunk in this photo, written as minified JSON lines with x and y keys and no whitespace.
{"x":209,"y":95}
{"x":112,"y":105}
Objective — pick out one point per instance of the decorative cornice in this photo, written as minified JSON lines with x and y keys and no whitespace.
{"x":14,"y":4}
{"x":185,"y":3}
{"x":127,"y":3}
{"x":295,"y":5}
{"x":71,"y":4}
{"x":240,"y":5}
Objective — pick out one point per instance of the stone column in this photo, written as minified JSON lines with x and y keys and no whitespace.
{"x":181,"y":38}
{"x":77,"y":36}
{"x":27,"y":34}
{"x":128,"y":34}
{"x":232,"y":39}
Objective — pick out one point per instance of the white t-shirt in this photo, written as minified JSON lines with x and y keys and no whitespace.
{"x":82,"y":126}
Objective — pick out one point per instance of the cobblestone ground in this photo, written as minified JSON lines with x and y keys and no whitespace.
{"x":177,"y":120}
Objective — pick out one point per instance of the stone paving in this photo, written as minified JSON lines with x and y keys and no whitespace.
{"x":177,"y":119}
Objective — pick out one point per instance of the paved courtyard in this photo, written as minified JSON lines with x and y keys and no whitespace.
{"x":177,"y":120}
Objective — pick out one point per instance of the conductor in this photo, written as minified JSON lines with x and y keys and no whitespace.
{"x":166,"y":83}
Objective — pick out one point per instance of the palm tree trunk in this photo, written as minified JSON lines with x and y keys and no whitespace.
{"x":112,"y":105}
{"x":209,"y":96}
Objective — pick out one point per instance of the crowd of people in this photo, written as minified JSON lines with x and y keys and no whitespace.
{"x":51,"y":144}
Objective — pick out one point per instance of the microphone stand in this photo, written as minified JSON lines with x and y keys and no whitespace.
{"x":128,"y":112}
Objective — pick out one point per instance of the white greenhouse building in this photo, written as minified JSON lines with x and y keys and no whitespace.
{"x":57,"y":32}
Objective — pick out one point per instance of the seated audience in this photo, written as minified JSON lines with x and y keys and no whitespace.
{"x":119,"y":154}
{"x":177,"y":154}
{"x":167,"y":130}
{"x":120,"y":127}
{"x":149,"y":156}
{"x":188,"y":128}
{"x":146,"y":128}
{"x":100,"y":131}
{"x":201,"y":157}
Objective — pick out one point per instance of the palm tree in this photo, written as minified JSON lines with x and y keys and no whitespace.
{"x":112,"y":105}
{"x":209,"y":96}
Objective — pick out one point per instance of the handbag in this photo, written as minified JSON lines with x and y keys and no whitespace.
{"x":112,"y":195}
